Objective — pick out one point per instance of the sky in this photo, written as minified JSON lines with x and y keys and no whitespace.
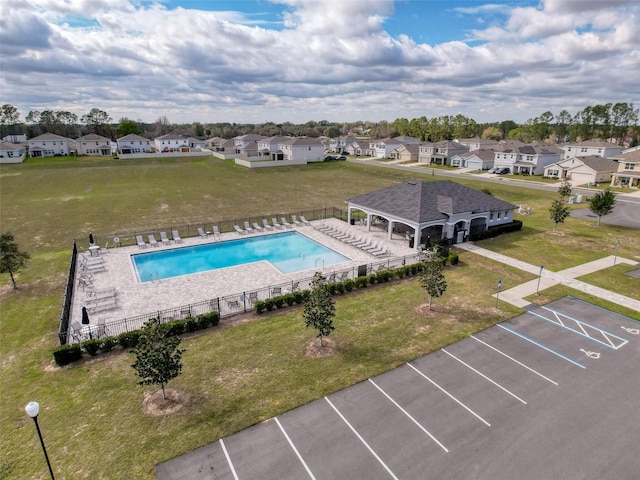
{"x":256,"y":61}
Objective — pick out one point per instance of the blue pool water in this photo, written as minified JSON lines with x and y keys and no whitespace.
{"x":289,"y":252}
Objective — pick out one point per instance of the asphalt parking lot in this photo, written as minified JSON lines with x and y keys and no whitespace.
{"x":552,"y":393}
{"x":624,"y":214}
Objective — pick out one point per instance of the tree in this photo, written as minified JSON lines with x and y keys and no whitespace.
{"x":319,"y":309}
{"x":431,"y":276}
{"x":158,"y":358}
{"x":602,"y":203}
{"x":96,"y":119}
{"x":9,"y":116}
{"x":11,"y":258}
{"x":564,"y":190}
{"x":127,"y":127}
{"x":558,"y":211}
{"x":492,"y":133}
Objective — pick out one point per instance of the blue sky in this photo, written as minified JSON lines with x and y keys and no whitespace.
{"x":300,"y":60}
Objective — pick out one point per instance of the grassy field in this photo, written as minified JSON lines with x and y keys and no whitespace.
{"x":92,"y":417}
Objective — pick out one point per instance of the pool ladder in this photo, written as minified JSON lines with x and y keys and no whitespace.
{"x":315,"y":264}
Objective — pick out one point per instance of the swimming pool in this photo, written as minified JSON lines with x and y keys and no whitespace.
{"x":288,"y":252}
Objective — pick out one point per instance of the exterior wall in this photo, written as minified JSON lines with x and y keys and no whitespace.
{"x":585,"y":151}
{"x":51,"y":148}
{"x":267,"y":163}
{"x":171,"y":145}
{"x":13,"y":156}
{"x":94,"y":147}
{"x":136,"y":146}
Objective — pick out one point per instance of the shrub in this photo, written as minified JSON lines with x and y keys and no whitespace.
{"x":400,"y":271}
{"x":348,"y":284}
{"x":278,"y":301}
{"x":290,"y":298}
{"x":383,"y":276}
{"x":454,"y":259}
{"x":191,"y":324}
{"x":107,"y":344}
{"x":129,"y":339}
{"x":91,"y":347}
{"x":269,"y":304}
{"x":443,"y":247}
{"x":209,"y":319}
{"x":175,"y":327}
{"x":497,"y":230}
{"x":332,"y":288}
{"x":260,"y":307}
{"x":66,"y":354}
{"x":300,"y":296}
{"x":372,"y":278}
{"x":362,"y":282}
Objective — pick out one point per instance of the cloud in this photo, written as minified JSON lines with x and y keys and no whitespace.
{"x":327,"y":59}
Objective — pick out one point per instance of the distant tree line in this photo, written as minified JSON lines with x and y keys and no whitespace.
{"x":617,"y":121}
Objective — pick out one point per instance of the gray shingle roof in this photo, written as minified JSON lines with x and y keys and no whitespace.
{"x":422,"y":202}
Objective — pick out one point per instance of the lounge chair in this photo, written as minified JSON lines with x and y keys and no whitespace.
{"x":97,"y":267}
{"x":275,"y":223}
{"x":239,"y":230}
{"x":295,"y":286}
{"x":253,"y":297}
{"x":266,"y":224}
{"x":233,"y":304}
{"x":152,"y":241}
{"x":344,"y":276}
{"x":257,"y":227}
{"x":285,"y":223}
{"x":216,"y":232}
{"x":247,"y":227}
{"x":296,"y":222}
{"x":140,"y":242}
{"x":164,"y":239}
{"x":201,"y":232}
{"x":304,"y":220}
{"x":276,"y":291}
{"x":383,"y":250}
{"x":75,"y":330}
{"x":374,"y":246}
{"x":176,"y":236}
{"x":332,"y":278}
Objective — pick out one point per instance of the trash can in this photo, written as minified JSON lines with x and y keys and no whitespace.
{"x":412,"y":239}
{"x":352,"y":221}
{"x":362,"y":270}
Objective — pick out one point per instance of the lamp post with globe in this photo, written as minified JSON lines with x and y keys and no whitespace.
{"x":33,"y":409}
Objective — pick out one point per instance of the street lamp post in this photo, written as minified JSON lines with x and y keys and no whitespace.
{"x":32,"y":409}
{"x":539,"y":277}
{"x":498,"y":292}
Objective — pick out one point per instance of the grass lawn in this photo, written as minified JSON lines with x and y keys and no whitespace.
{"x":91,"y":416}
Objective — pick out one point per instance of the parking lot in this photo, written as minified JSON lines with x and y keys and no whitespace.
{"x":551,"y":393}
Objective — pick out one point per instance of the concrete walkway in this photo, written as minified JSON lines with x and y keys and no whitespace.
{"x":516,"y":295}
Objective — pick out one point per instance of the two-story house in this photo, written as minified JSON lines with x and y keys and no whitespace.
{"x":172,"y":142}
{"x":12,"y":153}
{"x":382,"y":148}
{"x":477,"y":143}
{"x":359,"y":148}
{"x":93,"y":144}
{"x":341,"y":143}
{"x":269,"y":147}
{"x":526,"y":159}
{"x":440,"y":153}
{"x":628,"y":174}
{"x":133,"y":143}
{"x":598,"y":148}
{"x":307,"y":149}
{"x":49,"y":145}
{"x":247,"y":145}
{"x":479,"y":159}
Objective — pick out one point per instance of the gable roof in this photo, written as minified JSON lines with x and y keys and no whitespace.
{"x":93,"y":137}
{"x":482,"y":153}
{"x":630,"y":156}
{"x":422,"y":202}
{"x":8,"y":146}
{"x":49,"y":136}
{"x":599,"y":164}
{"x":132,"y":137}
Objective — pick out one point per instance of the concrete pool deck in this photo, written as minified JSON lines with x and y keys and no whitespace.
{"x":135,"y":298}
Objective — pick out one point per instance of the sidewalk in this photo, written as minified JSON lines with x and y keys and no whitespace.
{"x":516,"y":295}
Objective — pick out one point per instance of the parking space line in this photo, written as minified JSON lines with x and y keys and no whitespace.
{"x":514,"y":360}
{"x":451,"y":396}
{"x":226,"y":455}
{"x":544,"y":347}
{"x":410,"y":417}
{"x":485,"y":377}
{"x":304,"y":464}
{"x":362,"y":439}
{"x":581,"y":324}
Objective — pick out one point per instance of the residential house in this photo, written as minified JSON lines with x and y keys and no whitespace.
{"x":479,"y":159}
{"x":172,"y":142}
{"x":133,"y":143}
{"x":406,"y":153}
{"x":309,"y":149}
{"x":359,"y":148}
{"x":628,"y":173}
{"x":270,"y":147}
{"x":477,"y":143}
{"x":15,"y":138}
{"x":588,"y":148}
{"x":582,"y":170}
{"x":431,"y":210}
{"x":382,"y":148}
{"x":440,"y":153}
{"x":12,"y":153}
{"x":526,"y":159}
{"x":247,"y":145}
{"x":340,"y":144}
{"x":214,"y":143}
{"x":49,"y":145}
{"x":93,"y":144}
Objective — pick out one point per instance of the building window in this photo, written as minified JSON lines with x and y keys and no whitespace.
{"x":583,"y":150}
{"x":629,"y":166}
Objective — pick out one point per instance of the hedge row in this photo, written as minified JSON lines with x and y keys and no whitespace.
{"x":66,"y":354}
{"x":497,"y":230}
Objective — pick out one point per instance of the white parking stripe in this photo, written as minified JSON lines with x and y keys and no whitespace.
{"x":514,"y":360}
{"x":485,"y":377}
{"x":362,"y":439}
{"x":226,"y":455}
{"x":410,"y":417}
{"x":452,"y":397}
{"x":304,"y":464}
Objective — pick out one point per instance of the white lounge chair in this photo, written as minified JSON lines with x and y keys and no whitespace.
{"x":275,"y":223}
{"x":257,"y":227}
{"x":304,"y":220}
{"x":247,"y":227}
{"x":296,"y":222}
{"x":216,"y":232}
{"x":284,"y":222}
{"x":164,"y":239}
{"x":266,"y":224}
{"x":140,"y":242}
{"x":201,"y":232}
{"x":176,"y":236}
{"x":239,"y":230}
{"x":152,"y":241}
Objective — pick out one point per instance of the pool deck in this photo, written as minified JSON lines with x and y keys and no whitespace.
{"x":135,"y":298}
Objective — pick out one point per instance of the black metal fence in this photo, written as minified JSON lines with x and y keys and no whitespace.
{"x":68,"y":298}
{"x":237,"y":303}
